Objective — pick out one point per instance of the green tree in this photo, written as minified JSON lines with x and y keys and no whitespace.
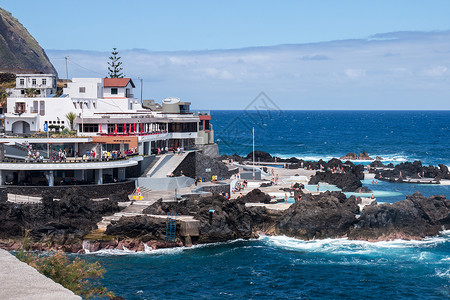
{"x":71,"y":118}
{"x":115,"y":71}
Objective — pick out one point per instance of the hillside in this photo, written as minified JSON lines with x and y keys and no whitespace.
{"x":18,"y":49}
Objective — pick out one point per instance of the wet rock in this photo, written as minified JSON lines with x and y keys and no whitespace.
{"x":328,"y":215}
{"x":413,"y":218}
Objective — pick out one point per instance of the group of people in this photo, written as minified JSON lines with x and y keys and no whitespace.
{"x":240,"y":186}
{"x":34,"y":156}
{"x":178,"y":150}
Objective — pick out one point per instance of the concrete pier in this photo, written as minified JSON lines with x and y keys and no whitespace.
{"x":20,"y":281}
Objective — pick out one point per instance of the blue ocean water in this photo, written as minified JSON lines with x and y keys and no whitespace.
{"x":281,"y":267}
{"x":284,"y":268}
{"x":394,"y":135}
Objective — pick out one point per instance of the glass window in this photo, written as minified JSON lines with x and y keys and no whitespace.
{"x":33,"y":81}
{"x":22,"y":81}
{"x":82,"y":89}
{"x":44,"y":81}
{"x":42,"y":108}
{"x":113,"y":91}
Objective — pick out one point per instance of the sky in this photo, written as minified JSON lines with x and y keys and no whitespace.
{"x":222,"y":54}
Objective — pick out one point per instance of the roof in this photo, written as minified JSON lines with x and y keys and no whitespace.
{"x":117,"y":82}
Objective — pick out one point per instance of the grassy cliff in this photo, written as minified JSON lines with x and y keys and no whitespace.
{"x":18,"y":49}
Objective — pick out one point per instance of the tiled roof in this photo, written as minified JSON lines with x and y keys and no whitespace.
{"x":117,"y":82}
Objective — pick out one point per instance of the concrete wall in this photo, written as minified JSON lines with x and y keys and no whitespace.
{"x":196,"y":164}
{"x":95,"y":191}
{"x":215,"y":189}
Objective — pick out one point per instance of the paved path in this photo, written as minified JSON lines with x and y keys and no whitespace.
{"x":20,"y":281}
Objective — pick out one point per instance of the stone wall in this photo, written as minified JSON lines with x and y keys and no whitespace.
{"x":215,"y":189}
{"x":138,"y":170}
{"x":196,"y":164}
{"x":94,"y":190}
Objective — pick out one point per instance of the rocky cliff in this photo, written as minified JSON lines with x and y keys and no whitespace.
{"x":18,"y":49}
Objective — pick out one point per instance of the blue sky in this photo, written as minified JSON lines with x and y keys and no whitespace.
{"x":221,"y":54}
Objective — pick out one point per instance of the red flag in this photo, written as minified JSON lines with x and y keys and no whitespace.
{"x":101,"y":128}
{"x":134,"y":127}
{"x":130,"y":129}
{"x":125,"y":128}
{"x":115,"y":128}
{"x":141,"y":128}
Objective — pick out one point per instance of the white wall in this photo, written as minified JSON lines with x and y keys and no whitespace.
{"x":93,"y":88}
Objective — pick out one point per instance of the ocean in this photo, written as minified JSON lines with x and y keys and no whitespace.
{"x":281,"y":267}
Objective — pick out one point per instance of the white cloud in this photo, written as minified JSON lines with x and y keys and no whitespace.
{"x":395,"y":70}
{"x":436,"y":71}
{"x":355,"y":73}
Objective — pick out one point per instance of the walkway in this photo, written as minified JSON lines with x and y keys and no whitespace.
{"x":19,"y":281}
{"x":166,"y":165}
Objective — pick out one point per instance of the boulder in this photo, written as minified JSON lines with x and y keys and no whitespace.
{"x":328,"y":215}
{"x":413,"y":218}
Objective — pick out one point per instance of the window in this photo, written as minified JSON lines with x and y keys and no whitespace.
{"x":88,"y":127}
{"x":82,"y":89}
{"x":22,"y":81}
{"x":22,"y":92}
{"x":44,"y":81}
{"x":113,"y":91}
{"x":42,"y":108}
{"x":35,"y":107}
{"x":20,"y":108}
{"x":62,"y":122}
{"x":33,"y":81}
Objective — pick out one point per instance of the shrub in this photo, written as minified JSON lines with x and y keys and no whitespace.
{"x":77,"y":275}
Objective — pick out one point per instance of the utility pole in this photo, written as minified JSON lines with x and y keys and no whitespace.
{"x":253,"y":132}
{"x":67,"y":70}
{"x":141,"y":88}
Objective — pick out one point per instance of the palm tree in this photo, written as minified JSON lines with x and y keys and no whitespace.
{"x":71,"y":118}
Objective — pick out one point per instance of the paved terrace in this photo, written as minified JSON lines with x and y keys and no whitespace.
{"x":19,"y":281}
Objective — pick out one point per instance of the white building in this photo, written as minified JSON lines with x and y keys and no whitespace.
{"x":33,"y":85}
{"x":107,"y":110}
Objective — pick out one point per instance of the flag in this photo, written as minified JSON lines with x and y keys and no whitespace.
{"x":134,"y":127}
{"x":115,"y":128}
{"x":141,"y":128}
{"x":101,"y":128}
{"x":125,"y":128}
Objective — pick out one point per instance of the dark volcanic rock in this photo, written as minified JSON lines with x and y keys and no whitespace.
{"x":348,"y":182}
{"x":328,"y":215}
{"x":413,"y":218}
{"x":256,"y":196}
{"x":230,"y":220}
{"x":363,"y":189}
{"x":353,"y":156}
{"x":59,"y":222}
{"x":413,"y":170}
{"x":142,"y":227}
{"x":260,"y":156}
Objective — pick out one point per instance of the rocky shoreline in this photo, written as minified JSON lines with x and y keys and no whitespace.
{"x":70,"y":223}
{"x":326,"y":215}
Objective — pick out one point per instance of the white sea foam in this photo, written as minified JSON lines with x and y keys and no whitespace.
{"x":443,"y":273}
{"x":345,"y":246}
{"x":163,"y":251}
{"x":394,"y":158}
